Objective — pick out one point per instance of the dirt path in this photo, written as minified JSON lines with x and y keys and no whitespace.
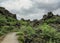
{"x":10,"y":38}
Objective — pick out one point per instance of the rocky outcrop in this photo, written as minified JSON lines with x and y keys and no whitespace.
{"x":49,"y":15}
{"x":6,"y":12}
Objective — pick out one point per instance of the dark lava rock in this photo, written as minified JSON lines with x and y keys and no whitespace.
{"x":6,"y":12}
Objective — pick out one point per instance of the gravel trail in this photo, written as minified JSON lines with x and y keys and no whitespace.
{"x":10,"y":38}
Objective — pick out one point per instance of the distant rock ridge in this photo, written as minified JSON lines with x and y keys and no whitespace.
{"x":5,"y":12}
{"x":49,"y":15}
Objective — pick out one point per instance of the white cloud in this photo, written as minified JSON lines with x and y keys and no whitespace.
{"x":57,"y":11}
{"x":32,"y":16}
{"x":17,"y":4}
{"x":47,"y":1}
{"x":31,"y":9}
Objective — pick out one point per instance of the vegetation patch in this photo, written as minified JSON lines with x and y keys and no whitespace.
{"x":46,"y":30}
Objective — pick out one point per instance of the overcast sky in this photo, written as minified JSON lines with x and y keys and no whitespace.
{"x":31,"y":9}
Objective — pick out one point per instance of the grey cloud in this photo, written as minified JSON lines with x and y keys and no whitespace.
{"x":2,"y":0}
{"x":28,"y":11}
{"x":37,"y":7}
{"x":48,"y":7}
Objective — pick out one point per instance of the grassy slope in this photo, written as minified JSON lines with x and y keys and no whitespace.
{"x":42,"y":33}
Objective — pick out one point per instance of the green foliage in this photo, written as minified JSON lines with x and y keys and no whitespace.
{"x":53,"y":20}
{"x":7,"y":24}
{"x":48,"y":30}
{"x":42,"y":33}
{"x":24,"y":23}
{"x":49,"y":33}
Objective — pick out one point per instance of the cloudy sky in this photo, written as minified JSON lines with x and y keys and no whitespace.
{"x":31,"y":9}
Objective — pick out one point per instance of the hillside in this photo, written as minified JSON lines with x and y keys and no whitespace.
{"x":45,"y":30}
{"x":8,"y":21}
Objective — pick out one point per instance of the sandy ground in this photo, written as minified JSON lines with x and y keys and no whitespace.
{"x":10,"y":38}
